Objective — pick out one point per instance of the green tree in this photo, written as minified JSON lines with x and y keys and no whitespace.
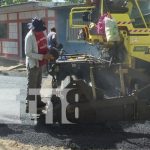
{"x":19,"y":1}
{"x":9,"y":2}
{"x":75,"y":1}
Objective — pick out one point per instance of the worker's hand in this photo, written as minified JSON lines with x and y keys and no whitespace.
{"x":48,"y":57}
{"x":51,"y":58}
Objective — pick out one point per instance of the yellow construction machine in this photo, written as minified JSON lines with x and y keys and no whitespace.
{"x":102,"y":89}
{"x":133,"y":20}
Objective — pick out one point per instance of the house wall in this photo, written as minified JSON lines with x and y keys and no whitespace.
{"x":75,"y":46}
{"x":9,"y":45}
{"x":13,"y":46}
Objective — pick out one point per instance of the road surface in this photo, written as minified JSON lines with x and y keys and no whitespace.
{"x":19,"y":127}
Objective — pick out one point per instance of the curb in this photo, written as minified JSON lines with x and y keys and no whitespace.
{"x":14,"y":67}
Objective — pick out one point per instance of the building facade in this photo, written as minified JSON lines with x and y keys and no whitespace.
{"x":13,"y":27}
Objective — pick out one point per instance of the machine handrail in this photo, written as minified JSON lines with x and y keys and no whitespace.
{"x":141,"y":13}
{"x":78,"y":10}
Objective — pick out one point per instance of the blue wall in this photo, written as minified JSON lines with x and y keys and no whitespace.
{"x":71,"y":47}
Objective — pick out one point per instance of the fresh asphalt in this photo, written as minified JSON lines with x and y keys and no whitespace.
{"x":17,"y":125}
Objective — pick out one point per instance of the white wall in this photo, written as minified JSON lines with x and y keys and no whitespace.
{"x":13,"y":31}
{"x":3,"y":17}
{"x":32,"y":14}
{"x":12,"y":16}
{"x":10,"y":47}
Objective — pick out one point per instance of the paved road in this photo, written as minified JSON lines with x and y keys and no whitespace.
{"x":110,"y":136}
{"x":12,"y":96}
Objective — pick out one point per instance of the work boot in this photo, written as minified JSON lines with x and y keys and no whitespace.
{"x":40,"y":107}
{"x":40,"y":104}
{"x":27,"y":109}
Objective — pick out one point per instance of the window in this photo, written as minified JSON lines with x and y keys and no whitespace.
{"x":3,"y":30}
{"x":117,"y":6}
{"x":72,"y":33}
{"x":135,"y":14}
{"x":145,"y":9}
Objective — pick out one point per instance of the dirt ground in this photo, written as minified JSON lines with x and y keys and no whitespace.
{"x":14,"y":145}
{"x":9,"y":64}
{"x":12,"y":67}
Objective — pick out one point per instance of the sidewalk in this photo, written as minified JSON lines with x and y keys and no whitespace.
{"x":8,"y":65}
{"x":12,"y":67}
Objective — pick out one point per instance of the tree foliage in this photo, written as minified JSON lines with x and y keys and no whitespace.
{"x":9,"y":2}
{"x":75,"y":1}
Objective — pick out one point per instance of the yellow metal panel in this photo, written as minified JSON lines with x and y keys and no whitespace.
{"x":141,"y":55}
{"x":139,"y":40}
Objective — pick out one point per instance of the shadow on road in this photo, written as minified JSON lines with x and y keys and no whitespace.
{"x":100,"y":136}
{"x":5,"y":131}
{"x":77,"y":137}
{"x":4,"y":73}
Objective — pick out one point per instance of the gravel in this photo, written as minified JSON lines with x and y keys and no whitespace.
{"x":115,"y":136}
{"x":110,"y":135}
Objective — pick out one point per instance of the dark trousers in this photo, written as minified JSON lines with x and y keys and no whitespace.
{"x":34,"y":76}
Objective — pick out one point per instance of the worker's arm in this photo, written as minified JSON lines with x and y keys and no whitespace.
{"x":29,"y":49}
